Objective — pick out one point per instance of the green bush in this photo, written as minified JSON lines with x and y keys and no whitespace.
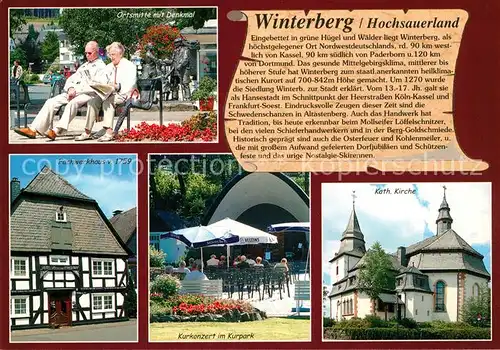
{"x":376,"y":322}
{"x":156,"y":257}
{"x":166,"y":285}
{"x":354,"y":322}
{"x":404,"y":333}
{"x":31,"y":78}
{"x":408,"y":323}
{"x":130,"y":302}
{"x":328,"y":322}
{"x":158,"y":310}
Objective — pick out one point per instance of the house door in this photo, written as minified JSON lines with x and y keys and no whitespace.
{"x":60,"y":309}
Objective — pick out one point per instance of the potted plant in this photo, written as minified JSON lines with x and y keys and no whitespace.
{"x":205,"y":93}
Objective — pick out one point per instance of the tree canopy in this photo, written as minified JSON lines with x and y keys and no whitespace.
{"x":476,"y":310}
{"x":376,"y":273}
{"x":16,"y":20}
{"x":106,"y":25}
{"x":50,"y":47}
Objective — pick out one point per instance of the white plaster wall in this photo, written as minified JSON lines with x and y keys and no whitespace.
{"x":110,"y":283}
{"x":70,"y":284}
{"x":87,"y":314}
{"x":85,"y":300}
{"x":70,"y":276}
{"x":33,"y":263}
{"x":119,"y":299}
{"x":109,"y":315}
{"x":74,"y":260}
{"x":48,"y":276}
{"x":341,"y":264}
{"x":38,"y":319}
{"x":470,"y":280}
{"x":22,"y":321}
{"x":450,"y":278}
{"x":59,"y":275}
{"x":364,"y":305}
{"x":336,"y":314}
{"x":97,"y":315}
{"x":47,"y":284}
{"x":59,"y":284}
{"x":97,"y":282}
{"x":22,"y":285}
{"x":120,"y":265}
{"x":85,"y":263}
{"x":86,"y":281}
{"x":35,"y":286}
{"x":43,"y":260}
{"x":36,"y":302}
{"x":425,"y":308}
{"x":45,"y":317}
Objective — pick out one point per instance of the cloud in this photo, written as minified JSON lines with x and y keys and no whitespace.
{"x":111,"y":193}
{"x":396,"y":220}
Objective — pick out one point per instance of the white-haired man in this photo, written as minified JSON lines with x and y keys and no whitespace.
{"x":122,"y":75}
{"x":76,"y":94}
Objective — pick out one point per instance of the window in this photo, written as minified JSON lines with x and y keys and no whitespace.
{"x":102,"y":268}
{"x":61,"y":215}
{"x":337,"y":269}
{"x":428,"y":313}
{"x":439,"y":296}
{"x":19,"y":306}
{"x":422,"y":298}
{"x":416,"y":312}
{"x":475,"y":290}
{"x":19,"y":267}
{"x":59,"y":260}
{"x":102,"y":302}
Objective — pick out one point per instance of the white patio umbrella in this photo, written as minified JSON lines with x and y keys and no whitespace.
{"x":202,"y":236}
{"x":247,"y":234}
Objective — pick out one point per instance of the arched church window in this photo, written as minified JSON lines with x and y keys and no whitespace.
{"x":352,"y":307}
{"x":439,"y":294}
{"x":475,"y":290}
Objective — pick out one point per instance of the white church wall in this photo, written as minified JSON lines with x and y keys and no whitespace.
{"x":470,"y":281}
{"x":339,"y":266}
{"x":364,"y":305}
{"x":419,"y":306}
{"x":450,"y":295}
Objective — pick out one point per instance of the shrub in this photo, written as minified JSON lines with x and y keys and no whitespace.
{"x":202,"y":121}
{"x":354,"y":322}
{"x":376,"y":322}
{"x":405,"y":333}
{"x":408,"y":323}
{"x":158,"y":310}
{"x":328,"y":322}
{"x":220,"y":307}
{"x":130,"y":302}
{"x":166,"y":285}
{"x":156,"y":257}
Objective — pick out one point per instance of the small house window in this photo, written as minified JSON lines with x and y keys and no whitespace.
{"x":59,"y":260}
{"x":416,"y":312}
{"x":475,"y":290}
{"x":19,"y":306}
{"x":102,"y":268}
{"x":61,"y":215}
{"x":428,"y":313}
{"x":439,"y":295}
{"x":102,"y":302}
{"x":19,"y":267}
{"x":337,"y":269}
{"x":422,"y":298}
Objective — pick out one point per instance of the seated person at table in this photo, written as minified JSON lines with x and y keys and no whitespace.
{"x":182,"y":268}
{"x":243,"y":263}
{"x":258,"y":262}
{"x":282,"y":265}
{"x":191,"y":263}
{"x":213,"y":261}
{"x":222,"y":261}
{"x":169,"y":269}
{"x":196,"y":274}
{"x":237,"y":261}
{"x":250,"y":261}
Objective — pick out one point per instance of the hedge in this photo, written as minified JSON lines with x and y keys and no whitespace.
{"x":403,"y":333}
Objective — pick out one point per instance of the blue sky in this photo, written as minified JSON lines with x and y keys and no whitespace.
{"x":400,"y":220}
{"x":109,"y":179}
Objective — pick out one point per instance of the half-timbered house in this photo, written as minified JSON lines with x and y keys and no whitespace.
{"x":68,"y":264}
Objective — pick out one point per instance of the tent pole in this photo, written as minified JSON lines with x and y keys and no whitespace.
{"x":202,"y":259}
{"x":307,"y":263}
{"x":227,"y":254}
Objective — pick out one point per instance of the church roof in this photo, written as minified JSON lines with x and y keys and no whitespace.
{"x":449,"y":261}
{"x":49,"y":183}
{"x":449,"y":240}
{"x":352,"y":241}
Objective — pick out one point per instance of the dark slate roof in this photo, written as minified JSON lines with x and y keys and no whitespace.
{"x":352,"y":241}
{"x":49,"y":183}
{"x":449,"y":240}
{"x":125,"y":223}
{"x":449,"y":261}
{"x":164,"y":221}
{"x":33,"y":215}
{"x":412,"y":278}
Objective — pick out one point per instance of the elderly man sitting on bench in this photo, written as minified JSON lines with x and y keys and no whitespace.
{"x":76,"y":94}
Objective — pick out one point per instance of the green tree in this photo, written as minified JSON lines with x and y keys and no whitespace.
{"x":16,"y":20}
{"x":476,"y":311}
{"x":376,"y":272}
{"x":32,"y":33}
{"x":50,"y":47}
{"x":156,"y":257}
{"x":20,"y":55}
{"x":33,"y":54}
{"x":130,"y":302}
{"x":197,"y":21}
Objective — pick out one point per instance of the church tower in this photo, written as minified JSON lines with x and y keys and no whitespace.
{"x":444,"y":219}
{"x":352,"y":246}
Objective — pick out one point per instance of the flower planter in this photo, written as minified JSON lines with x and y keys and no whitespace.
{"x":207,"y":104}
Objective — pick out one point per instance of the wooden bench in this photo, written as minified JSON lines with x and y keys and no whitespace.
{"x":209,"y":288}
{"x":302,"y":292}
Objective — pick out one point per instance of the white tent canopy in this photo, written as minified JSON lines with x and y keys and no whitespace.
{"x":247,"y":234}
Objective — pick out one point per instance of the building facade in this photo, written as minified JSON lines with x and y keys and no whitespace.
{"x":68,"y":264}
{"x":434,"y":277}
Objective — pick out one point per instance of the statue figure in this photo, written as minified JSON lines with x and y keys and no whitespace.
{"x":181,"y":70}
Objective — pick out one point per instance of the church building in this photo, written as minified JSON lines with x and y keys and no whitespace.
{"x":434,"y":277}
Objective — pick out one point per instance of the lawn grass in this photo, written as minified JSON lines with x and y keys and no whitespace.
{"x":271,"y":329}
